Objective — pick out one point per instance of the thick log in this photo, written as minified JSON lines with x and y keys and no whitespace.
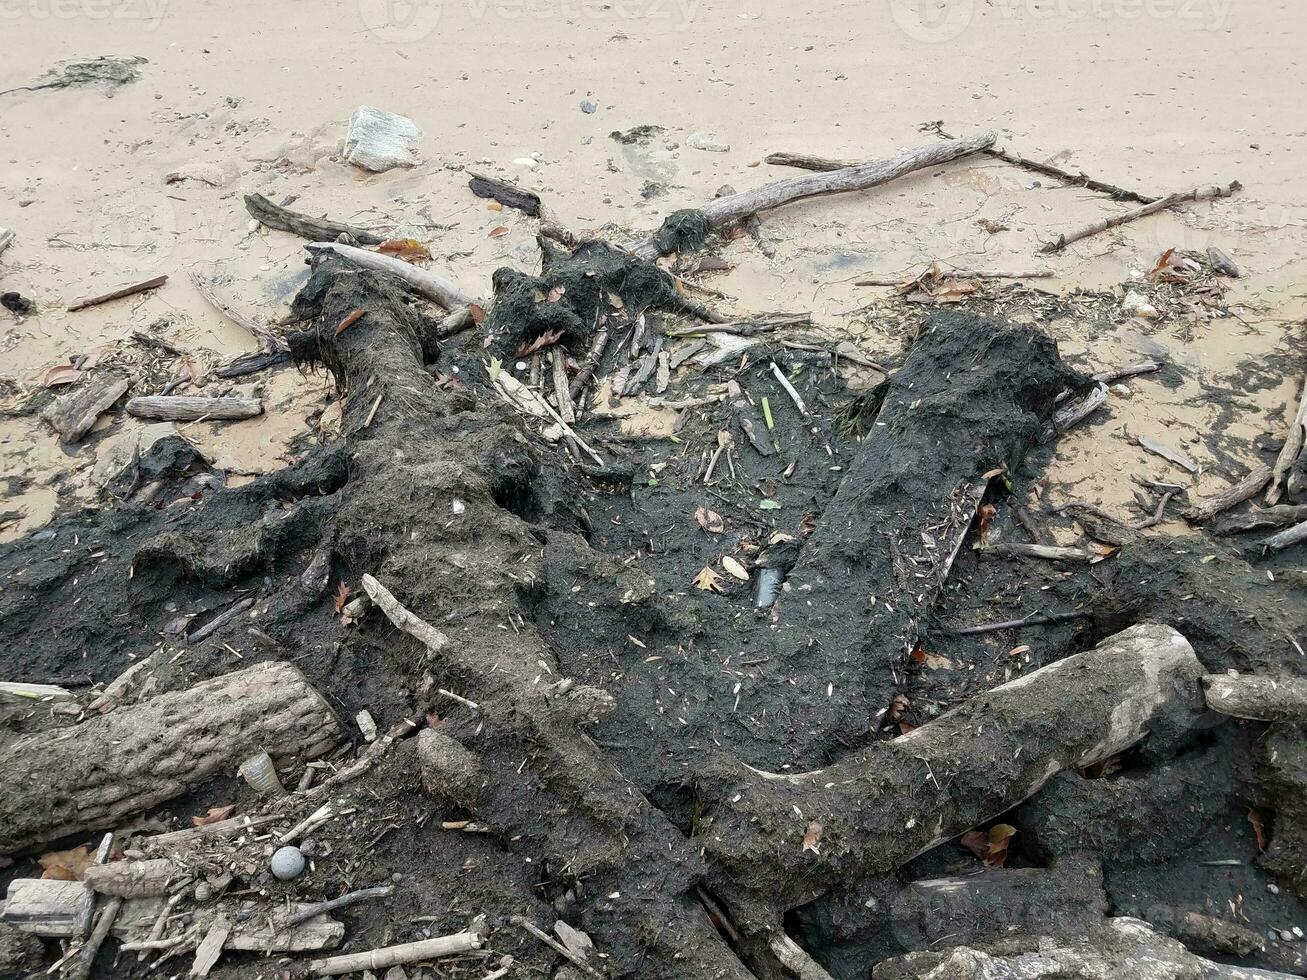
{"x":92,"y":776}
{"x":972,"y":396}
{"x":73,"y":415}
{"x":734,"y":208}
{"x":894,"y":800}
{"x":189,"y":408}
{"x":1121,"y":947}
{"x":1258,"y":697}
{"x":1261,"y":519}
{"x":46,"y":907}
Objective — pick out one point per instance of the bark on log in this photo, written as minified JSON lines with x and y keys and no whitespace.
{"x":189,"y":408}
{"x":894,"y":800}
{"x":93,"y":775}
{"x":1259,"y":519}
{"x":733,"y":208}
{"x":1258,"y":697}
{"x":133,"y":879}
{"x":1294,"y":443}
{"x":971,"y":397}
{"x":1249,"y":486}
{"x":1286,"y":538}
{"x":314,"y":229}
{"x":73,"y":415}
{"x":1121,"y":947}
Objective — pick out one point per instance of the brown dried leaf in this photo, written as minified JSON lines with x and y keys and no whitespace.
{"x":215,"y":814}
{"x":1103,"y":550}
{"x":615,"y":301}
{"x":986,"y":514}
{"x":954,"y":290}
{"x":546,"y":339}
{"x":408,"y":249}
{"x":341,"y":597}
{"x":478,"y":314}
{"x":186,"y":368}
{"x":710,"y":520}
{"x":60,"y":374}
{"x":66,"y":865}
{"x":555,"y":294}
{"x":811,"y":837}
{"x":351,"y":318}
{"x":499,"y":232}
{"x":708,"y":580}
{"x":1259,"y":829}
{"x":998,"y":838}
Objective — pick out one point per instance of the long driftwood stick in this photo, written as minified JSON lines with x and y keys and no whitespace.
{"x":314,"y":229}
{"x":1287,"y":537}
{"x":443,"y":292}
{"x":807,"y":162}
{"x":269,"y":342}
{"x":734,"y":208}
{"x":1048,"y":552}
{"x":344,"y":901}
{"x":1257,"y":519}
{"x":125,"y":291}
{"x":95,"y":774}
{"x":1103,"y":224}
{"x":1258,"y":697}
{"x":380,"y":959}
{"x":1294,"y":443}
{"x":1248,"y":487}
{"x":103,"y":923}
{"x":190,"y":408}
{"x":891,"y":801}
{"x":958,"y":273}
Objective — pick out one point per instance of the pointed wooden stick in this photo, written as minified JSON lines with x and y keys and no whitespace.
{"x":1103,"y":224}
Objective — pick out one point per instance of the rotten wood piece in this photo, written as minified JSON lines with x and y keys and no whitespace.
{"x":92,"y":776}
{"x":735,"y":208}
{"x":948,"y":776}
{"x":443,"y":292}
{"x":380,"y":959}
{"x":47,"y":907}
{"x":1103,"y":224}
{"x":1261,"y":519}
{"x":1286,"y":538}
{"x":1294,"y":444}
{"x":6,"y":239}
{"x":133,"y":879}
{"x":1258,"y":697}
{"x":1048,"y":552}
{"x":73,"y":415}
{"x":506,"y":193}
{"x":192,"y":408}
{"x":123,"y":292}
{"x":1167,"y":453}
{"x":1248,"y":487}
{"x":314,"y":229}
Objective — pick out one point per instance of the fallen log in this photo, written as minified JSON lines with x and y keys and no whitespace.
{"x":1103,"y":224}
{"x":894,"y":800}
{"x":191,"y":408}
{"x":734,"y":208}
{"x":1287,"y":537}
{"x":1294,"y":443}
{"x":1248,"y":487}
{"x":314,"y":229}
{"x":73,"y":415}
{"x":1257,"y":519}
{"x":1121,"y":947}
{"x":1258,"y":697}
{"x":91,"y":776}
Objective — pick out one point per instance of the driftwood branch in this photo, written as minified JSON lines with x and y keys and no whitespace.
{"x":734,"y":208}
{"x":1294,"y":443}
{"x":1248,"y":487}
{"x":443,"y":292}
{"x":269,"y":343}
{"x":192,"y":408}
{"x":344,"y":901}
{"x":381,"y":959}
{"x":1016,"y":549}
{"x":1103,"y":224}
{"x":1257,"y":519}
{"x":125,"y":291}
{"x":314,"y":229}
{"x":1287,"y":537}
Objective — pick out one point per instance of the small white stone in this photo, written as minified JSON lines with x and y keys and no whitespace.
{"x":287,"y":863}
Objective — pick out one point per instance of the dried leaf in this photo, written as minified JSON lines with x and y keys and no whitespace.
{"x":616,"y":301}
{"x":986,"y":514}
{"x":1259,"y":829}
{"x":990,"y":847}
{"x":341,"y":597}
{"x":735,"y":568}
{"x":769,"y":504}
{"x":546,"y":339}
{"x":637,"y":641}
{"x":709,"y":520}
{"x":60,"y":374}
{"x":408,"y":249}
{"x":478,"y":314}
{"x":499,"y":232}
{"x":66,"y":865}
{"x":708,"y":581}
{"x":215,"y":814}
{"x":932,"y":661}
{"x":811,"y":837}
{"x":954,"y":290}
{"x":351,"y":318}
{"x":186,"y":368}
{"x":1103,"y":550}
{"x":990,"y":474}
{"x":494,"y":206}
{"x":555,"y":294}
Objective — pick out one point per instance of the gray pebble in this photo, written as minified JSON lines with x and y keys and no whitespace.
{"x":589,"y":106}
{"x":287,"y":863}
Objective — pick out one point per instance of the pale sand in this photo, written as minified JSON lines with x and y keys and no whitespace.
{"x":1155,"y":94}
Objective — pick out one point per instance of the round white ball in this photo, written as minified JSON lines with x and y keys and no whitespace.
{"x":287,"y":863}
